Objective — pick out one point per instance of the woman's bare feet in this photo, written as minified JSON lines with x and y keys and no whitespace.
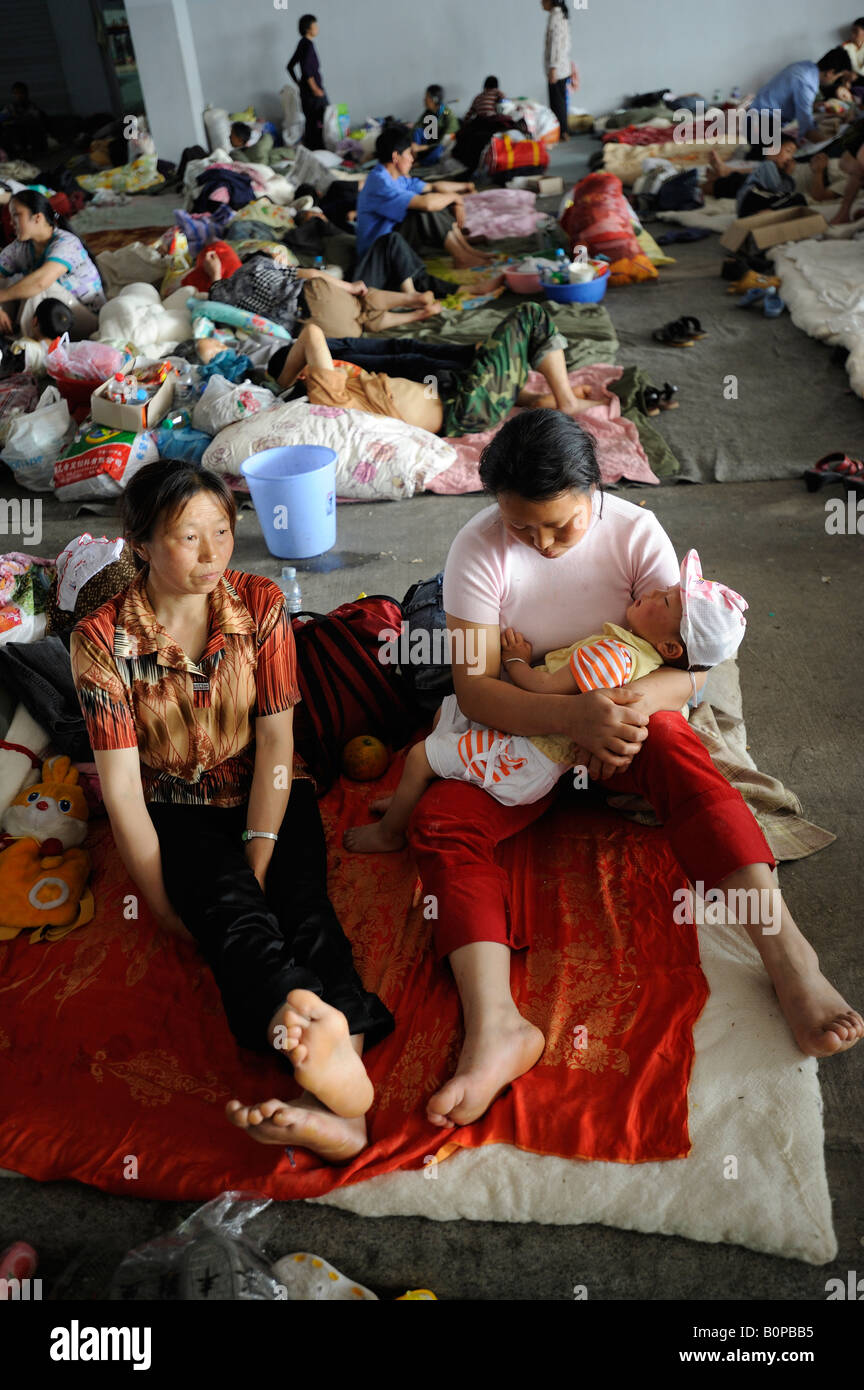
{"x":373,"y":839}
{"x":314,"y":1036}
{"x":821,"y":1021}
{"x":500,"y":1047}
{"x":430,"y":310}
{"x":304,"y":1124}
{"x":481,"y":287}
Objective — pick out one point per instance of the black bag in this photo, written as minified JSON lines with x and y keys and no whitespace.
{"x":681,"y":193}
{"x":423,"y":610}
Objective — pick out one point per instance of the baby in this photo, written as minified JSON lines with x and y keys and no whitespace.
{"x":692,"y":625}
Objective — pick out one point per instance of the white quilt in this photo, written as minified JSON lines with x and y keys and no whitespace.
{"x":823,"y":285}
{"x":755,"y":1110}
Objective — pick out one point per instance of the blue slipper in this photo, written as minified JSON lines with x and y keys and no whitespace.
{"x":773,"y":305}
{"x":753,"y":296}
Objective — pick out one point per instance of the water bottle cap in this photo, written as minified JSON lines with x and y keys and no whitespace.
{"x":289,"y":572}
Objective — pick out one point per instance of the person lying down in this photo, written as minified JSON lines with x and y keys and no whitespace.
{"x":467,"y":403}
{"x":692,"y":625}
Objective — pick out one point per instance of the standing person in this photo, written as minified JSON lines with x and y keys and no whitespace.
{"x":313,"y":97}
{"x":556,"y":59}
{"x":187,"y":680}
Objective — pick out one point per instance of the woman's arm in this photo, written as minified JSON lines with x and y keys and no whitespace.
{"x":449,"y":186}
{"x":134,"y":833}
{"x":271,"y":785}
{"x":35,"y":282}
{"x":667,"y":688}
{"x":609,"y":726}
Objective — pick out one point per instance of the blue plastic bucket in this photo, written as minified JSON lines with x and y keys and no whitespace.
{"x":294,"y":492}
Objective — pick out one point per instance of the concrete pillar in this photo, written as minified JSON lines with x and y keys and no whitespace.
{"x":168,"y":68}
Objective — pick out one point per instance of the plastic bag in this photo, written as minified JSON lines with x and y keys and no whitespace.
{"x":208,"y":1257}
{"x":101,"y":461}
{"x":35,"y":441}
{"x":84,"y":361}
{"x":19,"y":395}
{"x":223,"y":404}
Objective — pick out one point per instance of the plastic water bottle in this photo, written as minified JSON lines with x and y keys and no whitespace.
{"x":185,"y":389}
{"x":319,"y":262}
{"x":735,"y":94}
{"x":290,"y":587}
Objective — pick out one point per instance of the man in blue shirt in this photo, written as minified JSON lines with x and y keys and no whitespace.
{"x":793,"y":91}
{"x":423,"y":213}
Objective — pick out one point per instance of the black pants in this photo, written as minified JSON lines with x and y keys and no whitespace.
{"x":558,"y":101}
{"x":390,"y":261}
{"x":313,"y":109}
{"x":427,"y":229}
{"x":757,"y":200}
{"x":260,"y":947}
{"x":412,"y":358}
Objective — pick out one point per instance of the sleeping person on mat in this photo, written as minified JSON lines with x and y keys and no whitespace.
{"x":552,"y":556}
{"x":692,"y":625}
{"x":187,"y":680}
{"x":465,"y":403}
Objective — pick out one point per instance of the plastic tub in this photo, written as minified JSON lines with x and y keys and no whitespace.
{"x":294,"y":492}
{"x":522,"y":284}
{"x":589,"y":293}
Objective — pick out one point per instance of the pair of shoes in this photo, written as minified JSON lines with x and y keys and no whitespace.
{"x":772,"y":304}
{"x":653,"y":399}
{"x":751,"y":281}
{"x":833,"y":468}
{"x":681,"y":332}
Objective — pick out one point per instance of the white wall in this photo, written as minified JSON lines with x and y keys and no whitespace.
{"x":378,"y":55}
{"x":166,"y":54}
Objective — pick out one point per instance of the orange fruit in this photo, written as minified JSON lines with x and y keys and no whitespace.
{"x":365,"y":758}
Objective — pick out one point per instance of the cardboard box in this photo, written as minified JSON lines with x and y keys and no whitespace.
{"x":133,"y":417}
{"x":772,"y":228}
{"x":546,"y":185}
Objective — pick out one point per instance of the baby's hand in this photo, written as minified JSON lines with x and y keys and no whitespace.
{"x":514,"y":644}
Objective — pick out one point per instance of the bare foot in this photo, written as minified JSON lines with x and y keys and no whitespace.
{"x":493,"y":1055}
{"x":532,"y":400}
{"x":576,"y":406}
{"x":315,"y":1039}
{"x":717,"y":164}
{"x":304,"y":1124}
{"x":479,"y":287}
{"x":372,"y":839}
{"x":380,"y":805}
{"x":430,"y":310}
{"x":821,"y":1020}
{"x":464,"y":260}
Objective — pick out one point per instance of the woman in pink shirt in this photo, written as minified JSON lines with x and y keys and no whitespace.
{"x":553,"y":557}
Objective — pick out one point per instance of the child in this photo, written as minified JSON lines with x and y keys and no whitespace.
{"x":435,"y":122}
{"x":771,"y":184}
{"x":693,"y":625}
{"x":485,"y":104}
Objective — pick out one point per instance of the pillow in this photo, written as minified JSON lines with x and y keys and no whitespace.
{"x":376,"y":457}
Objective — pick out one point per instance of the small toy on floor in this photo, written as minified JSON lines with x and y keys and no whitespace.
{"x":43,"y":871}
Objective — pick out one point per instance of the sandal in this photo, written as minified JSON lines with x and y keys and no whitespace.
{"x":650,"y":400}
{"x":833,"y":468}
{"x":693,"y":327}
{"x":666,"y":401}
{"x":673,"y":335}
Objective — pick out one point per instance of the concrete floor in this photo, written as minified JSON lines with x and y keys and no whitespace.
{"x":801,"y":675}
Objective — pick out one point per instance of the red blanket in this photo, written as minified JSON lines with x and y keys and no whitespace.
{"x":114,"y":1048}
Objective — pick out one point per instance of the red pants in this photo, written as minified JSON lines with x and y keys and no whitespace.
{"x":456,"y":827}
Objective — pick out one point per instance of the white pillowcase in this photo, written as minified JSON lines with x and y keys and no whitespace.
{"x":376,"y":457}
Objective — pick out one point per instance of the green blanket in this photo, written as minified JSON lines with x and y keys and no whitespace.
{"x":587,"y":327}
